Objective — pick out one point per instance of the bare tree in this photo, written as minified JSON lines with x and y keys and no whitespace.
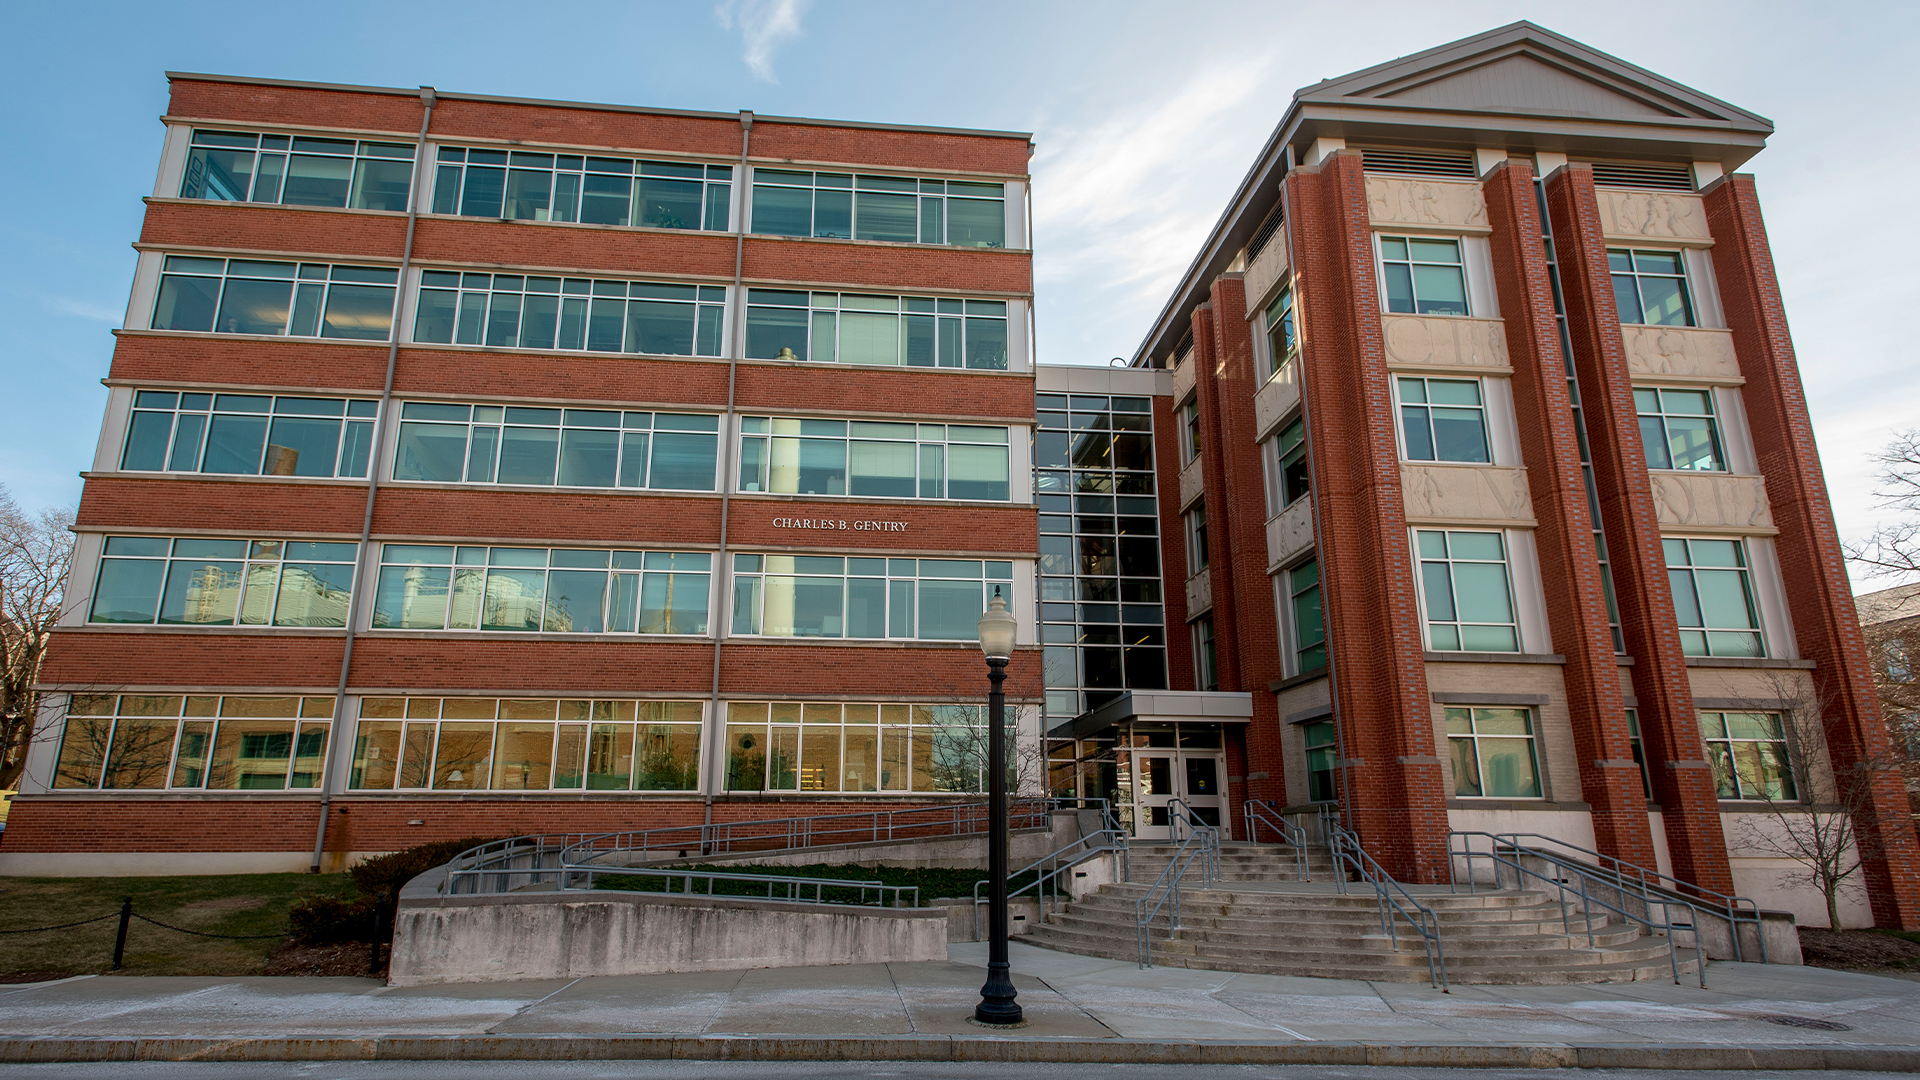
{"x":35,"y":552}
{"x":1812,"y":800}
{"x":1894,"y":548}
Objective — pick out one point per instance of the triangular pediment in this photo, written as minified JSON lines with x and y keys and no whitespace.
{"x":1526,"y":69}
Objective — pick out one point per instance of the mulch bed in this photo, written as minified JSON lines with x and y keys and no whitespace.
{"x":1861,"y":950}
{"x":292,"y":959}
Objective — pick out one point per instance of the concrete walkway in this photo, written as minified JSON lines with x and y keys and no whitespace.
{"x":1079,"y":1008}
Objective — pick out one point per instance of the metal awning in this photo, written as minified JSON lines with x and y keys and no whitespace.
{"x":1160,"y":707}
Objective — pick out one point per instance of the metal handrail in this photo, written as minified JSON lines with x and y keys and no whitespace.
{"x":1650,"y":879}
{"x":1257,"y":814}
{"x":1421,"y":918}
{"x":795,"y":885}
{"x":1109,"y":841}
{"x":1203,"y":844}
{"x":1586,"y":874}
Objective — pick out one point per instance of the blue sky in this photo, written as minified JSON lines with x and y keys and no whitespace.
{"x":1145,"y":117}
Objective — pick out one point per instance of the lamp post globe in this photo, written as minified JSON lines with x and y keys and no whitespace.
{"x":997,"y":1005}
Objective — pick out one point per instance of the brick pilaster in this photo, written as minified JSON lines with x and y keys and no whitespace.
{"x":1818,"y":592}
{"x":1569,"y":559}
{"x":1670,"y":729}
{"x":1390,"y":779}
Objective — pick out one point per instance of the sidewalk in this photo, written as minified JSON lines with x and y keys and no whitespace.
{"x":1078,"y":1008}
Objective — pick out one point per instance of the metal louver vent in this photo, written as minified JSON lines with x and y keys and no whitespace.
{"x":1456,"y":165}
{"x":1265,"y":233}
{"x":1181,"y":350}
{"x":1657,"y":177}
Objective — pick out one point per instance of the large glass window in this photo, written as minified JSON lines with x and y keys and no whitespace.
{"x":531,"y":186}
{"x":249,"y":296}
{"x":1469,"y":596}
{"x":1639,"y":751}
{"x":1749,"y":755}
{"x":526,"y":744}
{"x":1197,"y":555}
{"x":888,"y":460}
{"x":1291,"y":481}
{"x":1206,"y":667}
{"x":298,"y":170}
{"x":1309,"y":630}
{"x":1678,"y":430}
{"x":1282,"y":343}
{"x":1443,"y":420}
{"x":206,"y":742}
{"x":555,"y":591}
{"x":1713,"y":598}
{"x":249,"y":434}
{"x":1423,"y":275}
{"x":1321,"y":759}
{"x":1650,"y":287}
{"x":519,"y":311}
{"x":1493,"y":753}
{"x":201,"y":582}
{"x":899,"y":209}
{"x":1190,"y":431}
{"x":511,"y":444}
{"x":824,"y":746}
{"x":851,"y":328}
{"x":834,"y":597}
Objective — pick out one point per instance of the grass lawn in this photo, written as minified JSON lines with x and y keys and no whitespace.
{"x":216,"y":904}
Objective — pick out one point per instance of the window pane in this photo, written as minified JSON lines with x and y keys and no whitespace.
{"x":1509,"y":768}
{"x":1442,"y":290}
{"x":976,"y":222}
{"x":217,"y":174}
{"x":128,"y":591}
{"x":574,"y":601}
{"x":436,"y":452}
{"x":313,"y":594}
{"x":514,"y":600}
{"x":950,"y":610}
{"x":771,"y":330}
{"x":1466,"y":767}
{"x":780,"y":211}
{"x":883,"y":469}
{"x":869,"y":338}
{"x":684,"y":461}
{"x":302,"y":447}
{"x":977,"y":472}
{"x":670,"y":204}
{"x":360,"y":312}
{"x":1480,"y":589}
{"x":1398,"y":281}
{"x":1723,"y":599}
{"x":887,"y":217}
{"x":1665,"y":301}
{"x":411,"y":598}
{"x":674,"y":604}
{"x":1627,"y":298}
{"x":254,"y":307}
{"x":200,"y":592}
{"x":1692,"y":443}
{"x":588,"y":457}
{"x":186,"y":303}
{"x":667,"y":758}
{"x":484,"y":190}
{"x":462,"y":756}
{"x":382,"y":185}
{"x":527,"y":455}
{"x":659,"y":328}
{"x":987,"y":344}
{"x":317,"y":181}
{"x":142,"y":750}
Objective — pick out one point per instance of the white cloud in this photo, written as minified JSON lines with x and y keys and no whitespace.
{"x":764,"y":26}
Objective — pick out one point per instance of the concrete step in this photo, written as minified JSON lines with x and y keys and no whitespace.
{"x":1255,"y":932}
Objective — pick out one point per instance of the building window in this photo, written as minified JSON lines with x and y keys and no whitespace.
{"x":1321,"y":752}
{"x":1493,"y":754}
{"x":1290,"y":456}
{"x":1897,"y":661}
{"x":1639,"y":750}
{"x":1678,"y":430}
{"x":199,"y":582}
{"x":893,"y":208}
{"x":828,"y":596}
{"x":298,"y":170}
{"x":1650,"y":287}
{"x":521,"y":744}
{"x":1713,"y":598}
{"x":1190,"y":431}
{"x":1469,"y":597}
{"x":248,"y":434}
{"x":248,"y":296}
{"x":518,"y":311}
{"x":201,"y":742}
{"x":883,"y":460}
{"x":1749,"y":755}
{"x":1423,"y":275}
{"x":915,"y":331}
{"x":790,"y":746}
{"x":1282,"y":343}
{"x":1309,"y":628}
{"x":494,"y":444}
{"x":1196,"y":538}
{"x":527,"y":186}
{"x":1206,"y":670}
{"x":1444,"y":420}
{"x":531,"y":590}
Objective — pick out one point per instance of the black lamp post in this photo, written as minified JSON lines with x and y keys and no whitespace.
{"x":997,"y":1005}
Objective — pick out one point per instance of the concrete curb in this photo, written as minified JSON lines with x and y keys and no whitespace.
{"x":954,"y":1048}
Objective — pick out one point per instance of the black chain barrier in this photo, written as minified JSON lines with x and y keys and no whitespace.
{"x":201,"y":933}
{"x":126,"y":916}
{"x":62,"y":926}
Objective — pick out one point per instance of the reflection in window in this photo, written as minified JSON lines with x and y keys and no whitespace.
{"x":1678,"y":430}
{"x":1309,"y":630}
{"x":1469,"y":598}
{"x":517,"y":311}
{"x":1444,"y":420}
{"x":886,"y":460}
{"x":850,"y":328}
{"x":526,"y":744}
{"x":1283,"y":344}
{"x":298,"y":170}
{"x":892,"y":208}
{"x":1650,"y":287}
{"x":521,"y":185}
{"x":1423,"y":275}
{"x":201,"y":582}
{"x":541,"y":590}
{"x":1749,"y":755}
{"x":833,"y":597}
{"x":248,"y":434}
{"x":1493,"y":754}
{"x":826,"y":746}
{"x":495,"y":444}
{"x":250,"y":296}
{"x":207,"y":742}
{"x":1321,"y":756}
{"x":1713,"y":598}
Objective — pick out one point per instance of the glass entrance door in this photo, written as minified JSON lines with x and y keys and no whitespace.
{"x":1163,"y":776}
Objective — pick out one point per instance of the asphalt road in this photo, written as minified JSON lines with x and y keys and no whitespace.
{"x":835,"y":1070}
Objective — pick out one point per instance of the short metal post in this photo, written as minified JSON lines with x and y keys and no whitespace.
{"x":120,"y":939}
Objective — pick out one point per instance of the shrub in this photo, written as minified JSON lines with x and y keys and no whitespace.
{"x":330,"y":920}
{"x":387,"y":873}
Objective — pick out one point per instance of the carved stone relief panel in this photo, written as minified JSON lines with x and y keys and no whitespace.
{"x":1199,"y":593}
{"x":1182,"y":382}
{"x":1493,"y":494}
{"x":1191,"y":483}
{"x":1421,"y":340}
{"x":1449,"y":204}
{"x":1655,"y":351}
{"x":1275,"y":400}
{"x":1264,"y":273}
{"x":1656,"y":215}
{"x":1290,"y":533}
{"x":1713,"y":502}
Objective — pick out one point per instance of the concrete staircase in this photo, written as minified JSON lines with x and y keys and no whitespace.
{"x":1259,"y":919}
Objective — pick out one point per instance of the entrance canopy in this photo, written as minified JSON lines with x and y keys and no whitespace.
{"x":1159,"y":706}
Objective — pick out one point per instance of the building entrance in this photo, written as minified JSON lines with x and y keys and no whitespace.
{"x":1192,"y":777}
